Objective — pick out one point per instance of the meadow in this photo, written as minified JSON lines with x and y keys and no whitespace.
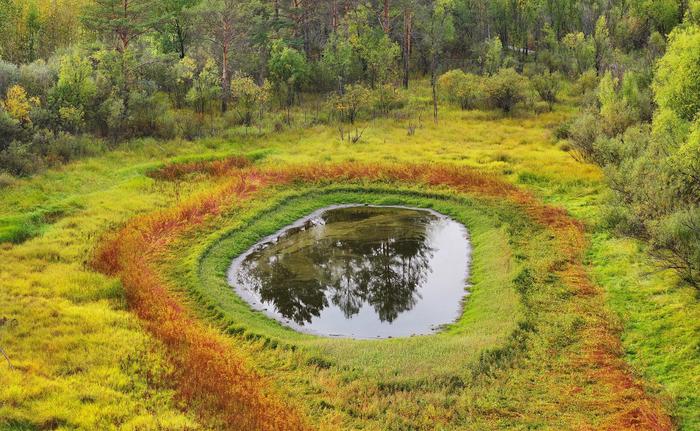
{"x":113,"y":281}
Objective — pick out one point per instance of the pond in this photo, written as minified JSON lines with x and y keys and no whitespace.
{"x":359,"y":271}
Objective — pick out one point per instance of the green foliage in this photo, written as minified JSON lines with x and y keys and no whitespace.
{"x":9,"y":75}
{"x":10,"y":129}
{"x":206,"y":88}
{"x":677,"y":81}
{"x":613,"y":109}
{"x":378,"y":53}
{"x":249,"y":97}
{"x":581,"y":51}
{"x":74,"y":91}
{"x":462,"y":89}
{"x":121,"y":21}
{"x":547,"y":87}
{"x":654,"y":175}
{"x":505,"y":90}
{"x":288,"y":71}
{"x":663,"y":14}
{"x":176,"y":29}
{"x":349,"y":105}
{"x":338,"y":59}
{"x":17,"y":159}
{"x":603,"y":44}
{"x":583,"y":133}
{"x":386,"y":98}
{"x":493,"y":56}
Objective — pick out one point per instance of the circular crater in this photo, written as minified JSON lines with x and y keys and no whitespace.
{"x":359,"y":271}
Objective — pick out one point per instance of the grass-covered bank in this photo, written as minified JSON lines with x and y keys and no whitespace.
{"x":660,"y":318}
{"x":565,"y":328}
{"x":492,"y":294}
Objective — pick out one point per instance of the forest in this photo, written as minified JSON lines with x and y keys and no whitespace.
{"x":145,"y":144}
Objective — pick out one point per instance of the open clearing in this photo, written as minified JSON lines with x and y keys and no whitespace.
{"x":123,"y":315}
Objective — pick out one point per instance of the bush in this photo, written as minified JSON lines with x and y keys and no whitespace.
{"x":462,"y":89}
{"x":249,"y":98}
{"x":677,"y":85}
{"x":66,"y":147}
{"x":10,"y":129}
{"x":188,"y":125}
{"x":587,"y":82}
{"x":583,"y":133}
{"x":6,"y":180}
{"x":493,"y":55}
{"x":348,"y":106}
{"x":387,"y":98}
{"x":547,"y":87}
{"x":615,"y":110}
{"x":9,"y":76}
{"x":505,"y":90}
{"x":37,"y":78}
{"x":18,"y":160}
{"x":562,"y":130}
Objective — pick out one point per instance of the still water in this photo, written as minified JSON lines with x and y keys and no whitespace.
{"x":360,"y":272}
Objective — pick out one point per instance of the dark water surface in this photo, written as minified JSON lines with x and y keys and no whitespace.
{"x":359,"y":271}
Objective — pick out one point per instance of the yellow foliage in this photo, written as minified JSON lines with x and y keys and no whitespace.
{"x":18,"y":104}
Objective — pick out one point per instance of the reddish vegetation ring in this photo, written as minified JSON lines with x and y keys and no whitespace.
{"x":215,"y":381}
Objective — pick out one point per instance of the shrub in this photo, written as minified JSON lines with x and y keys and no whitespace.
{"x":505,"y":90}
{"x":615,"y":111}
{"x":677,"y":85}
{"x":493,"y":55}
{"x":583,"y":132}
{"x":188,"y":126}
{"x":10,"y":129}
{"x":9,"y":76}
{"x":547,"y":87}
{"x":588,"y":81}
{"x":66,"y":147}
{"x":18,"y":104}
{"x":561,"y":131}
{"x":462,"y":89}
{"x":387,"y":98}
{"x":37,"y":78}
{"x":349,"y":105}
{"x":18,"y":160}
{"x":248,"y":97}
{"x":6,"y":180}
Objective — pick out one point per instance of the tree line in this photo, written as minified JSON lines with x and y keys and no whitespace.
{"x":77,"y":76}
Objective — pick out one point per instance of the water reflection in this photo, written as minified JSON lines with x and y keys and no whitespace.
{"x":355,"y":270}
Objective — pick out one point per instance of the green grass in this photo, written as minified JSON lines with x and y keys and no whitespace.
{"x":661,"y":320}
{"x":82,"y":361}
{"x":492,"y":294}
{"x":457,"y":374}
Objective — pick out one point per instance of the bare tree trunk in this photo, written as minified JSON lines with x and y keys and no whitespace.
{"x":180,"y":39}
{"x":334,"y":16}
{"x":224,"y":78}
{"x":433,"y":83}
{"x":386,"y":24}
{"x":407,"y":30}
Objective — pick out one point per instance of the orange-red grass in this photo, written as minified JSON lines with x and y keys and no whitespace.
{"x":177,"y":171}
{"x":211,"y":377}
{"x":215,"y":380}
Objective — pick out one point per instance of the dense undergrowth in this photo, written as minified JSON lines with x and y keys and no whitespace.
{"x":81,"y":361}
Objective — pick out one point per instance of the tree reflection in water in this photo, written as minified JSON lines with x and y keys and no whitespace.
{"x":352,"y":256}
